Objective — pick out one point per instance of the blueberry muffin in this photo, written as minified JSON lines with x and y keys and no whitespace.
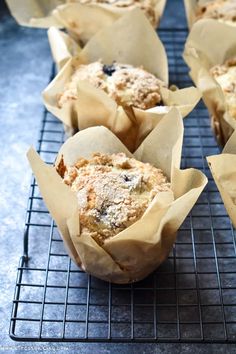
{"x":126,"y":84}
{"x":225,"y":75}
{"x":113,"y":192}
{"x":221,"y":10}
{"x":147,"y":6}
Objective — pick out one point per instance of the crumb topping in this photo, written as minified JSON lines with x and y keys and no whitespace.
{"x":221,"y":10}
{"x":147,"y":6}
{"x":225,"y":75}
{"x":113,"y":192}
{"x":127,"y":85}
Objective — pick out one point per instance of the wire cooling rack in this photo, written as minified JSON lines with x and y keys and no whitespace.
{"x":190,"y":298}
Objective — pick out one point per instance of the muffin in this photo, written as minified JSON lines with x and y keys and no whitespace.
{"x":126,"y":84}
{"x":222,"y":167}
{"x":225,"y":75}
{"x":116,"y":190}
{"x":221,"y":10}
{"x":113,"y":192}
{"x":147,"y":6}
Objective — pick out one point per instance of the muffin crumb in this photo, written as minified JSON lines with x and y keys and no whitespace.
{"x":113,"y":192}
{"x":127,"y":85}
{"x":225,"y":75}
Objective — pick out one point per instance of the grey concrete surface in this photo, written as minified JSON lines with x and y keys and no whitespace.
{"x":25,"y":64}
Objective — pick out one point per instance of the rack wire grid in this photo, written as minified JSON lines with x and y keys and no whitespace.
{"x":189,"y":298}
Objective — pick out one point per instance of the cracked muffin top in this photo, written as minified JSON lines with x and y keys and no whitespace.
{"x":113,"y":191}
{"x":126,"y":84}
{"x":225,"y":75}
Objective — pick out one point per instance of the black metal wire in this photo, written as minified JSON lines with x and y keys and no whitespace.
{"x":190,"y":298}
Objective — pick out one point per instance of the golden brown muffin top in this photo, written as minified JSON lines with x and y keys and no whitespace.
{"x":222,"y":10}
{"x":113,"y":191}
{"x":225,"y":75}
{"x":126,"y":84}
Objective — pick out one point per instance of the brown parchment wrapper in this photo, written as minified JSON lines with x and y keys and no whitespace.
{"x":190,"y":11}
{"x":81,"y":20}
{"x":138,"y":250}
{"x":223,"y":169}
{"x":120,"y":42}
{"x":84,"y":20}
{"x":35,"y":13}
{"x":210,"y":43}
{"x":63,"y":47}
{"x":191,"y":8}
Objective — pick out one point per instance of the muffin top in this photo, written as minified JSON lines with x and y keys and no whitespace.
{"x":221,"y":10}
{"x":113,"y":191}
{"x":147,"y":6}
{"x":126,"y":84}
{"x":225,"y":75}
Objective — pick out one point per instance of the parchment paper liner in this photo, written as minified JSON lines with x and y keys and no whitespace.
{"x":210,"y":43}
{"x":63,"y":47}
{"x":81,"y":20}
{"x":191,"y":8}
{"x":120,"y":42}
{"x":138,"y":250}
{"x":223,"y":169}
{"x":35,"y":13}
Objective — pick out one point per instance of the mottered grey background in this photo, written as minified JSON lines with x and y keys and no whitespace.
{"x":25,"y":65}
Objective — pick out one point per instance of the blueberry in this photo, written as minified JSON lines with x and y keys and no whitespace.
{"x":109,"y":69}
{"x":103,"y":211}
{"x":127,"y":178}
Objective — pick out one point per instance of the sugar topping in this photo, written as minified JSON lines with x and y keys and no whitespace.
{"x":113,"y":192}
{"x":127,"y":85}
